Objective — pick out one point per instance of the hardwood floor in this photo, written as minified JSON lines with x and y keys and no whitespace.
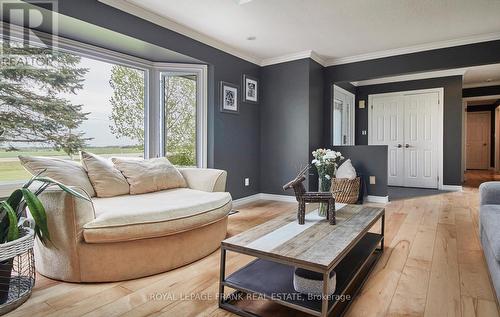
{"x":433,"y":266}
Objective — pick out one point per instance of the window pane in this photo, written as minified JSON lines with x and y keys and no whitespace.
{"x":66,"y":104}
{"x":180,"y":119}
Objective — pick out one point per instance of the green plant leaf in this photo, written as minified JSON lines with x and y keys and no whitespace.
{"x":33,"y":178}
{"x":13,"y":231}
{"x":38,"y":212}
{"x":15,"y":198}
{"x":63,"y":187}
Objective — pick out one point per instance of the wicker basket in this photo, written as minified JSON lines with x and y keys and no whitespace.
{"x":347,"y":190}
{"x":17,"y":270}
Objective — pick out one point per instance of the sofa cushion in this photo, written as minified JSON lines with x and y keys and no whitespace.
{"x":125,"y":218}
{"x":68,"y":172}
{"x":105,"y":178}
{"x":490,"y":221}
{"x":145,"y":176}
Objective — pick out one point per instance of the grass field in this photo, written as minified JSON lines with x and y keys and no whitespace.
{"x":11,"y":169}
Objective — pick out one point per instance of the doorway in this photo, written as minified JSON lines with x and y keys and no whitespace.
{"x":478,"y":140}
{"x":342,"y":117}
{"x":410,"y":123}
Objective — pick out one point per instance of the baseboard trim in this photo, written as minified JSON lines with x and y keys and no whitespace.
{"x":291,"y":199}
{"x":263,"y":196}
{"x":453,"y":188}
{"x":246,"y":200}
{"x":283,"y":198}
{"x":377,"y":199}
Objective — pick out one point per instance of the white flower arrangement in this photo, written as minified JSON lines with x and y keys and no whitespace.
{"x":326,"y":157}
{"x":326,"y":162}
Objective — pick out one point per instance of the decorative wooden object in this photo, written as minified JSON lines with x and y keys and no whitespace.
{"x":304,"y":197}
{"x":346,"y":190}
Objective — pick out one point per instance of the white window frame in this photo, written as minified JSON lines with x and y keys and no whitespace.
{"x":351,"y":129}
{"x":152,"y":89}
{"x":200,"y":71}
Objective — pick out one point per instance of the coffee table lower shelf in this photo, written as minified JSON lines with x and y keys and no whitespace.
{"x":274,"y":281}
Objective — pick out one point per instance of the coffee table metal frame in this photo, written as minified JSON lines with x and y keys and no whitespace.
{"x":325,"y":311}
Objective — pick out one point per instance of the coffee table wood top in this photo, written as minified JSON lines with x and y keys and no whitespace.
{"x":315,"y":245}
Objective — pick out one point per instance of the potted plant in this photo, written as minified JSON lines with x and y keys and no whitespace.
{"x":326,"y":162}
{"x":12,"y":217}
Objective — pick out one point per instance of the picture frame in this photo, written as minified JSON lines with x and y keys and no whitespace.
{"x":250,"y":89}
{"x":228,"y":98}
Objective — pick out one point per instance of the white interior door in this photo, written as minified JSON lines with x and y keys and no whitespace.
{"x":408,"y":123}
{"x":478,"y":140}
{"x":387,"y":129}
{"x":421,"y":160}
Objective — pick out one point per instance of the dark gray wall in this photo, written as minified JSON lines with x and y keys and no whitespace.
{"x":369,"y":160}
{"x":284,"y":123}
{"x":234,"y":140}
{"x":316,"y":111}
{"x":439,"y":59}
{"x":452,"y":150}
{"x":481,"y":91}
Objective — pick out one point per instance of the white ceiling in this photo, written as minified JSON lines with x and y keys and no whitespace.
{"x":482,"y":75}
{"x":335,"y":30}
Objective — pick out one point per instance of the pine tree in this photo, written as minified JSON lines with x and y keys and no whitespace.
{"x":31,"y":109}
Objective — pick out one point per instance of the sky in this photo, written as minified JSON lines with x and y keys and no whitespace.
{"x":95,"y":97}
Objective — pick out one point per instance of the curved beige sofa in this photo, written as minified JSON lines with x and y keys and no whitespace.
{"x":131,"y":236}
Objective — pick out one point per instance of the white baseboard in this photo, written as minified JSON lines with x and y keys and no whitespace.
{"x":291,"y":199}
{"x":377,"y":199}
{"x":283,"y":198}
{"x":246,"y":200}
{"x":454,"y":188}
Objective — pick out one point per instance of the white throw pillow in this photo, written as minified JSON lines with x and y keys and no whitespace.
{"x":68,"y":172}
{"x":346,"y":170}
{"x":106,"y":179}
{"x":145,"y":176}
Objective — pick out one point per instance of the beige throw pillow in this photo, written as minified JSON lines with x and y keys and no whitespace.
{"x":145,"y":176}
{"x":105,"y":178}
{"x":68,"y":172}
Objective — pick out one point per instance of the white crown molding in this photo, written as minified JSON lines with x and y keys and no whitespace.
{"x":416,"y":76}
{"x":414,"y":49}
{"x":483,"y":84}
{"x":292,"y":57}
{"x":130,"y":8}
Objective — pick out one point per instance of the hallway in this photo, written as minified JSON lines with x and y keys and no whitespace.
{"x":474,"y":178}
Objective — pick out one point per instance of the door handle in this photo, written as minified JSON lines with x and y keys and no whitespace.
{"x":398,"y":146}
{"x":407,"y":145}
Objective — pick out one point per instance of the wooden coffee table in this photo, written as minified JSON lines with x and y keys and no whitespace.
{"x":350,"y":248}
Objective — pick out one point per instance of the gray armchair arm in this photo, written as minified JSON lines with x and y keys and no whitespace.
{"x":489,"y":193}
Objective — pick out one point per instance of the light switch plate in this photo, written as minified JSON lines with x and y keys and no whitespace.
{"x":372,"y":180}
{"x":247,"y":181}
{"x":363,"y":132}
{"x":361,"y":104}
